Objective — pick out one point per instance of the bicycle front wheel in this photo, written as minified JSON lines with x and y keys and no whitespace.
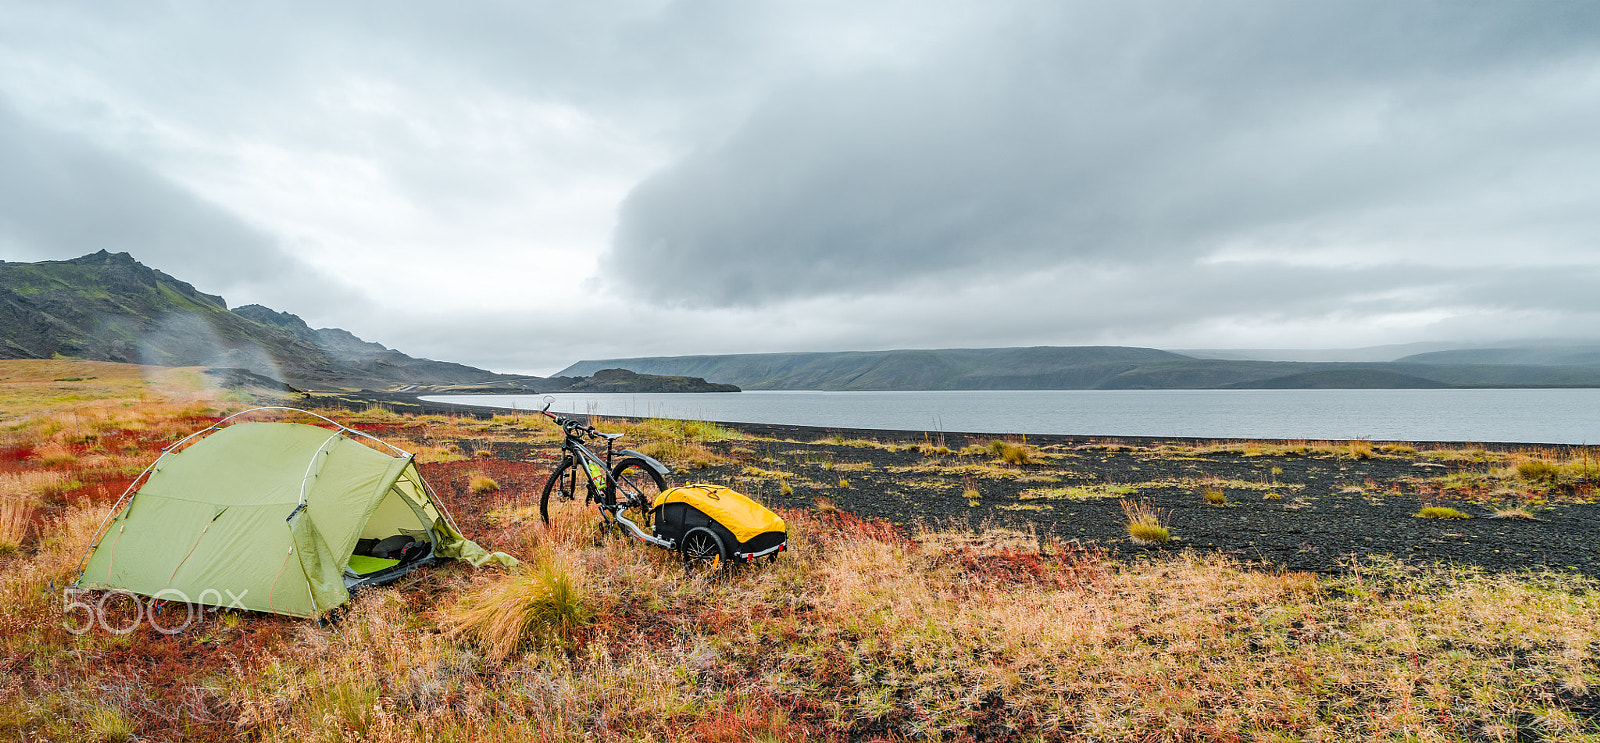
{"x":562,"y":486}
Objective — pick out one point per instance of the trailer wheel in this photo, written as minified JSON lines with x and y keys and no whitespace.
{"x":703,"y":553}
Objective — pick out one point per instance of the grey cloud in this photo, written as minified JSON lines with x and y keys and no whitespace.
{"x":839,"y":174}
{"x":1113,"y":135}
{"x":61,"y":196}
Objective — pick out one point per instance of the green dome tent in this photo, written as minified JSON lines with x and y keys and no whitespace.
{"x":278,"y":517}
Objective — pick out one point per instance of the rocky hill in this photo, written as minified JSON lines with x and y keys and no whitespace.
{"x":622,"y":380}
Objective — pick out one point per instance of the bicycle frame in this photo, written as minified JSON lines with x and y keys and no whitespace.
{"x":611,"y":511}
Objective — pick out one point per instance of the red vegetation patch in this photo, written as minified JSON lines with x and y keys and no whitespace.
{"x":97,"y":493}
{"x":853,"y":525}
{"x":753,"y":714}
{"x":520,"y":485}
{"x":380,"y":430}
{"x":172,"y":670}
{"x":1073,"y":568}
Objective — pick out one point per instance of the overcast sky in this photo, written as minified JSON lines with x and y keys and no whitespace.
{"x":522,"y":185}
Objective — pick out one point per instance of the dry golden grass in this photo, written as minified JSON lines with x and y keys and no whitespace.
{"x":1078,"y":492}
{"x":539,"y":606}
{"x":1146,"y":525}
{"x":1214,"y":495}
{"x":987,"y":471}
{"x":1220,"y":483}
{"x":481,"y":484}
{"x":857,"y":633}
{"x":430,"y":453}
{"x":1009,"y":452}
{"x":679,"y":443}
{"x":39,"y":410}
{"x":682,"y":430}
{"x":1533,"y":474}
{"x":1012,"y":452}
{"x":1538,"y":470}
{"x":54,"y":454}
{"x":1441,"y":512}
{"x":987,"y":539}
{"x":681,"y":454}
{"x":15,"y":516}
{"x":33,"y":484}
{"x":838,"y":440}
{"x":969,"y":491}
{"x":856,"y":629}
{"x":1172,"y":650}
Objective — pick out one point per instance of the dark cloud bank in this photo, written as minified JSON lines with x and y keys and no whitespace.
{"x":1378,"y":156}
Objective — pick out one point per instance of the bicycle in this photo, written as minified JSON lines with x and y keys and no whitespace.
{"x":629,"y":486}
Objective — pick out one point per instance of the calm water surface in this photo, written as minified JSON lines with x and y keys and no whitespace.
{"x":1536,"y":416}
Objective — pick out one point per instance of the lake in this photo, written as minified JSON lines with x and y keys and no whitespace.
{"x":1554,"y":416}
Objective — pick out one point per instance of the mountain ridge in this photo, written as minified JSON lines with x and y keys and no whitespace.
{"x":110,"y":307}
{"x":1086,"y":367}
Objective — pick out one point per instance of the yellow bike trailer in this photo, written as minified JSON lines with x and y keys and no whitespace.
{"x":712,"y":524}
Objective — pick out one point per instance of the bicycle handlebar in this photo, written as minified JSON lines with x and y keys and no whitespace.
{"x":569,"y":426}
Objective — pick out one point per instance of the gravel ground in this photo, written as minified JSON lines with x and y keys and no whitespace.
{"x":1332,"y":507}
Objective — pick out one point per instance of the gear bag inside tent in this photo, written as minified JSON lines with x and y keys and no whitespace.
{"x":279,"y":517}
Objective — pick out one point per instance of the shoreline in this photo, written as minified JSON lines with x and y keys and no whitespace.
{"x":401,"y":402}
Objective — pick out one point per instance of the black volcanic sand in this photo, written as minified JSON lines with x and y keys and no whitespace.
{"x":1333,"y":507}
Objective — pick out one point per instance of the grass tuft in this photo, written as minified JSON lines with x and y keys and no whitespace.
{"x":1360,"y":449}
{"x":533,"y":607}
{"x":108,"y":725}
{"x":826,"y":506}
{"x":1442,"y":512}
{"x":1513,"y":512}
{"x":681,"y":430}
{"x":1214,"y":496}
{"x":1538,"y":470}
{"x":1012,"y":453}
{"x":481,"y":484}
{"x":1145,"y":524}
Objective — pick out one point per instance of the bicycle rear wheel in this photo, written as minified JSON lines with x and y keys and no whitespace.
{"x":637,"y":485}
